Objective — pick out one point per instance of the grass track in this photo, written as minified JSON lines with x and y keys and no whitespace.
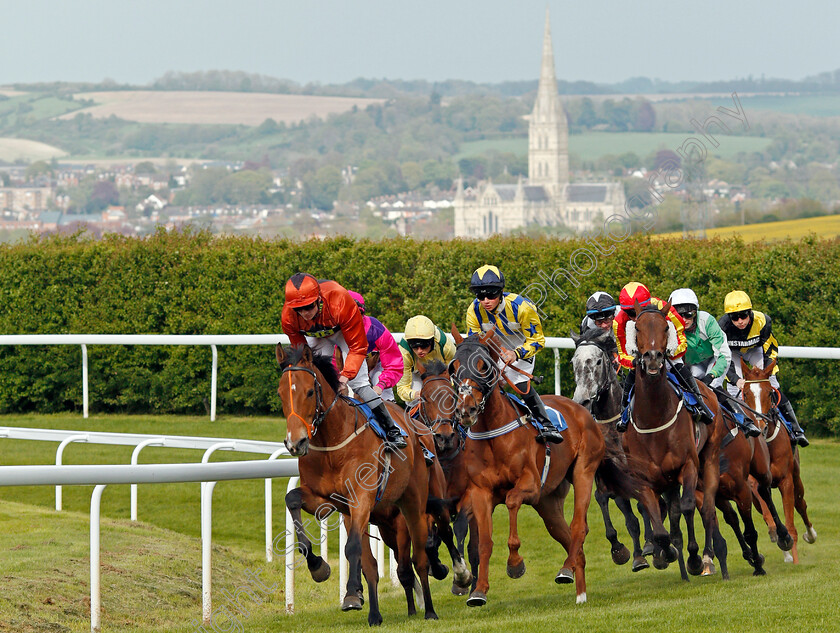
{"x":151,"y":577}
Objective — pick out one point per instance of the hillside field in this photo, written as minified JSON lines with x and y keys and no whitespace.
{"x":151,"y":576}
{"x":593,"y":145}
{"x":231,"y":108}
{"x":825,"y":226}
{"x":14,"y":149}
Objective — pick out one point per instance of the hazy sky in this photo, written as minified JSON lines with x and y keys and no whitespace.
{"x":330,"y":41}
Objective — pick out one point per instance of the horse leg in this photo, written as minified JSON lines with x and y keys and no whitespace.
{"x":371,"y":572}
{"x":438,"y":569}
{"x":634,"y":529}
{"x":296,"y":499}
{"x":744,"y":502}
{"x":760,"y":503}
{"x":659,"y":535}
{"x":761,"y":490}
{"x":413,"y":508}
{"x":688,"y":506}
{"x":810,"y":535}
{"x":550,"y":509}
{"x":721,"y":552}
{"x":786,"y":487}
{"x":711,"y":481}
{"x":525,"y":491}
{"x":461,"y":575}
{"x":647,"y":550}
{"x":672,"y":500}
{"x":583,"y":478}
{"x":620,"y":553}
{"x":482,"y":507}
{"x":731,"y":518}
{"x":359,"y":517}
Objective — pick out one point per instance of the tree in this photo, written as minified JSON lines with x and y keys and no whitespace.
{"x":645,"y":117}
{"x":38,"y":168}
{"x":145,"y":167}
{"x":322,"y":187}
{"x":104,"y":194}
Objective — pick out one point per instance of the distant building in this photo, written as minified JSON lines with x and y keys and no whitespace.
{"x":546,"y":198}
{"x":25,"y":198}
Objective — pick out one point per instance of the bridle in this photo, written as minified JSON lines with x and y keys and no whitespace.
{"x":424,"y":416}
{"x":605,"y":387}
{"x":464,"y":390}
{"x":320,"y":412}
{"x":640,"y":360}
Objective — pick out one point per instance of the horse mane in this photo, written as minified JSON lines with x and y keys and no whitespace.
{"x":473,"y":343}
{"x":434,"y":368}
{"x":322,"y":363}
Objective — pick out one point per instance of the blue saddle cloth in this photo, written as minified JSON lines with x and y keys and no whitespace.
{"x":553,"y":414}
{"x":371,"y":418}
{"x":689,"y":398}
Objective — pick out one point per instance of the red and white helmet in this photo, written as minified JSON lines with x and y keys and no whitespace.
{"x":302,"y":289}
{"x":633,"y":292}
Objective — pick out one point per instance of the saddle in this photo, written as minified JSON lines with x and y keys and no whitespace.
{"x":688,"y":398}
{"x":371,"y":418}
{"x":554,"y":415}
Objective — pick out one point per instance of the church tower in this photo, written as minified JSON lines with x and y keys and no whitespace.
{"x":548,"y":132}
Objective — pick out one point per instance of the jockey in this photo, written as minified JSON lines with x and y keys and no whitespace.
{"x":426,"y":342}
{"x":708,"y":354}
{"x":750,"y":336}
{"x":324,"y":316}
{"x":389,"y":366}
{"x":517,"y":324}
{"x":600,"y":314}
{"x":631,"y":294}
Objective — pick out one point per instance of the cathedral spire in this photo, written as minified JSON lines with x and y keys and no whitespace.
{"x":548,"y":78}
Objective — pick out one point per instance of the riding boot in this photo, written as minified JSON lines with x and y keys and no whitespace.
{"x":706,"y":414}
{"x":393,"y":435}
{"x":744,"y":423}
{"x":629,"y":380}
{"x":798,"y":434}
{"x":547,"y":432}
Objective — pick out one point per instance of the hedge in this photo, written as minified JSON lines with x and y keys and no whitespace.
{"x":195,"y":283}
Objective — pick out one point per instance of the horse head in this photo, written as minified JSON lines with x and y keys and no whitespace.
{"x":437,"y":405}
{"x":306,"y":381}
{"x":592,"y":366}
{"x":758,"y":392}
{"x":651,"y":338}
{"x":474,"y":374}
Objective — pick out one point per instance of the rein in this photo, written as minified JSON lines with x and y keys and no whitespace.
{"x":320,"y":412}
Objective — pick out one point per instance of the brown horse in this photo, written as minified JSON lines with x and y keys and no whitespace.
{"x":784,"y":460}
{"x":344,"y":468}
{"x":435,"y":410}
{"x":506,"y":465}
{"x":662,"y":437}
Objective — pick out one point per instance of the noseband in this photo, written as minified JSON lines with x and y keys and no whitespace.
{"x":424,"y":417}
{"x":320,"y":411}
{"x":485,"y":388}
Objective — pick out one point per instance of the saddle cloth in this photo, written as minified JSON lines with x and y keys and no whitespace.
{"x":689,"y":398}
{"x":554,"y":415}
{"x":371,"y":418}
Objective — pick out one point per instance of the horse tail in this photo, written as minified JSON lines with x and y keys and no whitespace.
{"x":437,"y":506}
{"x":619,"y":475}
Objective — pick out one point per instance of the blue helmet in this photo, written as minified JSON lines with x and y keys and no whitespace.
{"x":487,"y":277}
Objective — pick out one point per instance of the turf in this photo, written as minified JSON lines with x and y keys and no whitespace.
{"x":151,"y":570}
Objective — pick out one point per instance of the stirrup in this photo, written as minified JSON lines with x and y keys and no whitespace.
{"x":551,"y":435}
{"x":621,"y":425}
{"x":750,"y":429}
{"x":392,"y":441}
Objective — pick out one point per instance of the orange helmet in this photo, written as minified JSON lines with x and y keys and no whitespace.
{"x":302,"y":289}
{"x":633,"y":292}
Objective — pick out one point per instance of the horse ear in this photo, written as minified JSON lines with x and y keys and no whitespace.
{"x":665,"y":309}
{"x":338,"y":358}
{"x":419,"y":367}
{"x":575,"y":337}
{"x":456,"y":334}
{"x":280,"y":354}
{"x":307,"y":354}
{"x":768,"y":369}
{"x":745,"y":368}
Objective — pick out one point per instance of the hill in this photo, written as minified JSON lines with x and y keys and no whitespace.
{"x":823,"y":227}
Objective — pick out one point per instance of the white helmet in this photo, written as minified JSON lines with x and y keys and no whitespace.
{"x":684,"y":296}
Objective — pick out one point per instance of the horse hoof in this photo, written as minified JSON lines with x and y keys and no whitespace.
{"x":439,"y":572}
{"x":431,"y":615}
{"x":785,"y":544}
{"x":621,"y":555}
{"x":639,"y":563}
{"x":773,"y":535}
{"x":477,"y":599}
{"x":462,"y":580}
{"x":647,"y":550}
{"x":708,"y":566}
{"x":694,"y":565}
{"x":458,"y":590}
{"x":810,"y":535}
{"x":671,"y":554}
{"x":759,"y":571}
{"x":565,"y":576}
{"x":581,"y":598}
{"x":321,"y":572}
{"x":351,"y":603}
{"x":374,"y":619}
{"x":788,"y":557}
{"x":659,"y":562}
{"x":516,"y":571}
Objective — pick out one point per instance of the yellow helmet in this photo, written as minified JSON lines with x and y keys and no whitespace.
{"x":420,"y":327}
{"x":737,"y":301}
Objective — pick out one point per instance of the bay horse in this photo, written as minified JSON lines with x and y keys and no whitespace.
{"x":597,"y":388}
{"x":506,"y":465}
{"x":784,"y":460}
{"x":662,"y":436}
{"x":435,"y":409}
{"x":344,"y":468}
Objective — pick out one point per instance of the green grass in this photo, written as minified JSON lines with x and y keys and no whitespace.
{"x":810,"y":105}
{"x":151,"y":571}
{"x":593,"y":145}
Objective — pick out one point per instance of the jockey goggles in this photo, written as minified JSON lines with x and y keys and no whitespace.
{"x":488,"y":293}
{"x":687,"y":313}
{"x":419,"y":343}
{"x":740,"y":316}
{"x":600,"y":317}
